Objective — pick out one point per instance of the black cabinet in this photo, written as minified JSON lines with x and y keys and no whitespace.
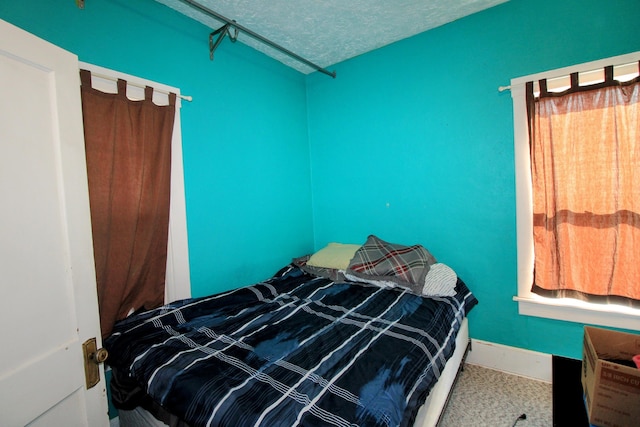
{"x":568,"y":403}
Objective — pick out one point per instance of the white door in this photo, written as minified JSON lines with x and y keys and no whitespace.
{"x":48,"y":304}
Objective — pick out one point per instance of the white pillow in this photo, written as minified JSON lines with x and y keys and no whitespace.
{"x":440,"y":281}
{"x":334,"y":255}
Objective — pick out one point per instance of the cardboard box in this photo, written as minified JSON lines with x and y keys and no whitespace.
{"x":612,"y":390}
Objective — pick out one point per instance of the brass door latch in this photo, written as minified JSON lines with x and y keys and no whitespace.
{"x":92,"y":358}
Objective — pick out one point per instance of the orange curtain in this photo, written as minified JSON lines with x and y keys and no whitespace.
{"x":585,"y":156}
{"x":128,"y":150}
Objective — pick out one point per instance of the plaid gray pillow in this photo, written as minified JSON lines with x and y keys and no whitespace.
{"x":379,"y":260}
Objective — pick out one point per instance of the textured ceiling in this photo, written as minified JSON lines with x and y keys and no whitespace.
{"x":326,"y":32}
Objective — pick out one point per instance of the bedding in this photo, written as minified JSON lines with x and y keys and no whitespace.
{"x":378,"y":260}
{"x":334,"y":255}
{"x":440,"y":281}
{"x":296,"y":349}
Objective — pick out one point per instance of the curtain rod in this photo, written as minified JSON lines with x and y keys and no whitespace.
{"x":115,"y":79}
{"x":622,"y":66}
{"x":258,"y":37}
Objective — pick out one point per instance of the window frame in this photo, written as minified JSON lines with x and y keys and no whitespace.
{"x":530,"y":304}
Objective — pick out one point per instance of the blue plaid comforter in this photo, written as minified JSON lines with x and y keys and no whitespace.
{"x":293,"y":350}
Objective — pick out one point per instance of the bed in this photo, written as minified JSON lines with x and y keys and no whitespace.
{"x":314,"y":345}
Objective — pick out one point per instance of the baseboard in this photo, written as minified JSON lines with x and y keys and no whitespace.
{"x":512,"y":360}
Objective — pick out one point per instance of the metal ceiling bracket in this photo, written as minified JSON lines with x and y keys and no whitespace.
{"x":233,"y":37}
{"x":221,"y":32}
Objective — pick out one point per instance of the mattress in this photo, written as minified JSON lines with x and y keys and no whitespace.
{"x":295,"y":349}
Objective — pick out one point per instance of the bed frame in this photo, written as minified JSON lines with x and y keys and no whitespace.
{"x":429,"y":414}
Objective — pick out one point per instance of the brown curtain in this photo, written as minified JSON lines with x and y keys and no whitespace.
{"x":585,"y":159}
{"x":128,"y":149}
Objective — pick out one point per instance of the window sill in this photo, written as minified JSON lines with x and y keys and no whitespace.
{"x":578,"y":311}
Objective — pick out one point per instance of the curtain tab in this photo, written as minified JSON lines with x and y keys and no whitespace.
{"x":543,"y":88}
{"x":608,"y":73}
{"x":85,"y":78}
{"x":122,"y":87}
{"x":574,"y":81}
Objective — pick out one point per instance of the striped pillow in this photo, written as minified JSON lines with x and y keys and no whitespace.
{"x":379,"y":260}
{"x":441,"y":281}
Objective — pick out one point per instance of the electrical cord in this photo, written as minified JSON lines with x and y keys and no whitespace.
{"x":521,"y":417}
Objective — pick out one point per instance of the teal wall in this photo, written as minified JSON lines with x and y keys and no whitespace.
{"x":413,"y":142}
{"x":244,"y":135}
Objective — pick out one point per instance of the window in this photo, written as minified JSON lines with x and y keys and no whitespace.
{"x":529,"y":303}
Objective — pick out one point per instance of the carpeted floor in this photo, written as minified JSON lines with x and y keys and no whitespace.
{"x":485,"y":397}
